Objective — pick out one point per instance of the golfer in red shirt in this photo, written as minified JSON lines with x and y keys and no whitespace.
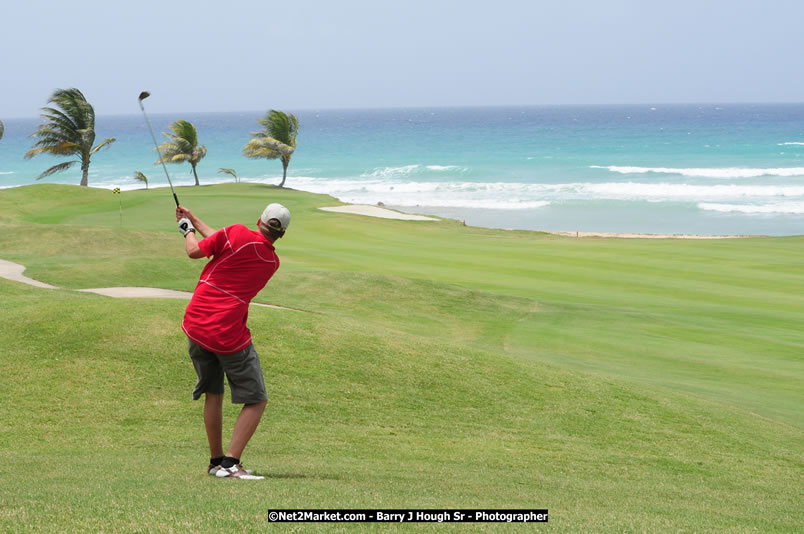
{"x":215,"y":323}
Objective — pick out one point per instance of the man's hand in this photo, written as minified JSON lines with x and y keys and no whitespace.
{"x":182,"y":213}
{"x":197,"y":224}
{"x":185,"y":226}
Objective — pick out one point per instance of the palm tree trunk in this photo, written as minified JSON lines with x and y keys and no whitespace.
{"x":284,"y":173}
{"x":196,"y":176}
{"x":85,"y":173}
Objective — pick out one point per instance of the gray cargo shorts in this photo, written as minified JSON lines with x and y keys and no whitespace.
{"x":242,"y":370}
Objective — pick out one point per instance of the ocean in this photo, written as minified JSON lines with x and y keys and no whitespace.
{"x":671,"y":169}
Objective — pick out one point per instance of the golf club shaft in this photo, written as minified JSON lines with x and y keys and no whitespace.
{"x":160,"y":153}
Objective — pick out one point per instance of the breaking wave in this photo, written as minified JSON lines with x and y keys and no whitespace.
{"x":723,"y":172}
{"x":668,"y":191}
{"x":409,"y":170}
{"x":773,"y":208}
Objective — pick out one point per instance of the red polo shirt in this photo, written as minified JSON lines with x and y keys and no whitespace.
{"x":244,"y":261}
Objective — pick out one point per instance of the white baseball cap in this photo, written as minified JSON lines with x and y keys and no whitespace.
{"x":278,"y":212}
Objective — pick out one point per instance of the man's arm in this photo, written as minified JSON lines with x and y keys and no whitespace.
{"x":204,"y":229}
{"x":188,"y":224}
{"x":191,"y":246}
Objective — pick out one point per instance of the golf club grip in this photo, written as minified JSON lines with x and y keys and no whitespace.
{"x":176,"y":199}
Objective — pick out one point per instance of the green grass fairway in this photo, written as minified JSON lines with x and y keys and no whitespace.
{"x":625,"y":385}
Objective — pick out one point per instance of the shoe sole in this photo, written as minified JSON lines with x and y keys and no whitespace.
{"x":213,"y":472}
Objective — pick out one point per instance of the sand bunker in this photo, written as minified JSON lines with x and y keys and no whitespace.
{"x":376,"y":211}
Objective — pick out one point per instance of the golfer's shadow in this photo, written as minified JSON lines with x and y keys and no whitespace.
{"x":292,"y":476}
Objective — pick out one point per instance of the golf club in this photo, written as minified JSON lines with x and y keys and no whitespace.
{"x":143,"y":96}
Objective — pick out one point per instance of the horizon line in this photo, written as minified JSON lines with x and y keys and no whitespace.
{"x":465,"y":106}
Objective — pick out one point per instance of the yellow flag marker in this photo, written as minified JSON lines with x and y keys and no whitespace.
{"x":116,"y":191}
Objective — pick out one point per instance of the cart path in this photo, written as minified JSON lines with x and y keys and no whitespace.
{"x":13,"y":271}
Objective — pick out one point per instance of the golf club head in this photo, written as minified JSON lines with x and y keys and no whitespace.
{"x":143,"y":96}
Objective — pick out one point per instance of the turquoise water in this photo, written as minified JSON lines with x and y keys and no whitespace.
{"x":705,"y":169}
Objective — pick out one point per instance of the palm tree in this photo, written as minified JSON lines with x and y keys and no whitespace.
{"x":141,"y":177}
{"x":276,"y":140}
{"x":183,"y":146}
{"x":2,"y":129}
{"x":230,"y":172}
{"x":69,"y":131}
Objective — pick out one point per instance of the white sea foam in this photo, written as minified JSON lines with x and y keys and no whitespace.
{"x":722,"y":172}
{"x":668,"y":191}
{"x":444,"y":167}
{"x":780,"y":207}
{"x":407,"y":170}
{"x":7,"y":172}
{"x":791,"y":143}
{"x":388,"y":172}
{"x":507,"y":195}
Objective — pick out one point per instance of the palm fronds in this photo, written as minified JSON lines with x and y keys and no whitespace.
{"x":276,"y":141}
{"x":141,"y":177}
{"x":230,"y":172}
{"x":281,"y":126}
{"x":68,"y":130}
{"x":182,"y":145}
{"x":106,"y":142}
{"x":273,"y":147}
{"x":256,"y":149}
{"x":63,"y":148}
{"x":57,"y":168}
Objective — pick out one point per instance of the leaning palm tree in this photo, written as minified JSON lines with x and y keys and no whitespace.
{"x":276,"y":141}
{"x":141,"y":178}
{"x":183,"y":146}
{"x":69,"y":131}
{"x":230,"y":172}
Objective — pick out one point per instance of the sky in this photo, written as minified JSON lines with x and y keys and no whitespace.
{"x":252,"y":55}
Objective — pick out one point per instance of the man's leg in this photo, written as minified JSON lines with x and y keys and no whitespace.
{"x":248,"y":387}
{"x":244,"y":428}
{"x":213,"y":421}
{"x":210,"y":384}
